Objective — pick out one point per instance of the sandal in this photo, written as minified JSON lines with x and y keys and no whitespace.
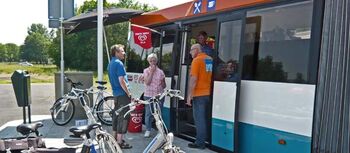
{"x":124,"y":145}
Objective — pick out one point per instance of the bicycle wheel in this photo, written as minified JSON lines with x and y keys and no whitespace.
{"x":108,"y":144}
{"x":62,"y":111}
{"x":173,"y":150}
{"x":104,"y":110}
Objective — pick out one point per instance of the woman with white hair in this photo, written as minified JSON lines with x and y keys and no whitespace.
{"x":154,"y":79}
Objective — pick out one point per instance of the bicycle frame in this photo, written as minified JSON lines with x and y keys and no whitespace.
{"x":100,"y":134}
{"x":164,"y":139}
{"x":73,"y":94}
{"x":100,"y":95}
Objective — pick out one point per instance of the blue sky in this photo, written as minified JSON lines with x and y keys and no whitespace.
{"x":17,"y":15}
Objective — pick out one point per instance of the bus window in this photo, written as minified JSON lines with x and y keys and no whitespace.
{"x":167,"y":53}
{"x":277,"y":44}
{"x":228,"y":51}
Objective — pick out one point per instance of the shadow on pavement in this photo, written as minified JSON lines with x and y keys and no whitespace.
{"x":54,"y":134}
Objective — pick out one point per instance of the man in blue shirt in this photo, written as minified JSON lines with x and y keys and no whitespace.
{"x":201,"y":39}
{"x":120,"y":86}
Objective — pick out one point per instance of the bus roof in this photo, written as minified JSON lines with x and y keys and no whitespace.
{"x":186,"y":10}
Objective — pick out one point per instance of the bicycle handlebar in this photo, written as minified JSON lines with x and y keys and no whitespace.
{"x":134,"y":102}
{"x":73,"y":84}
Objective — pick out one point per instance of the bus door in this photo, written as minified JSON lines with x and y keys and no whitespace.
{"x":226,"y":85}
{"x":167,"y":58}
{"x":184,"y":121}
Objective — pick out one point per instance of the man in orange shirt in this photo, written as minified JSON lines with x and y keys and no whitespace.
{"x":199,"y":92}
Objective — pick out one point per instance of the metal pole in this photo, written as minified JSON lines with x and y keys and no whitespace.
{"x":161,"y":49}
{"x":99,"y":40}
{"x":128,"y":44}
{"x":24,"y":115}
{"x":106,"y":43}
{"x":29,"y":114}
{"x":62,"y":59}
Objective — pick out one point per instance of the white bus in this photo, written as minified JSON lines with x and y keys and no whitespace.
{"x":275,"y":48}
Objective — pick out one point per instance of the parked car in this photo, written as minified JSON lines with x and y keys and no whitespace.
{"x":25,"y":64}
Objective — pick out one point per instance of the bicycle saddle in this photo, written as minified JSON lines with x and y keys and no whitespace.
{"x":75,"y":84}
{"x":101,"y":82}
{"x":83,"y":130}
{"x":101,"y":87}
{"x":26,"y":129}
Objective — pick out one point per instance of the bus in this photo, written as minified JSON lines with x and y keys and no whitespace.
{"x":274,"y":46}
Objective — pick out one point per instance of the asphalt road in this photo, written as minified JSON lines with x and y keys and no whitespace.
{"x":42,"y":95}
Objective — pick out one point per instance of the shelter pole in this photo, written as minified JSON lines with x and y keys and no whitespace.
{"x":161,"y":49}
{"x":62,"y":59}
{"x":106,"y":43}
{"x":99,"y":40}
{"x":128,"y":43}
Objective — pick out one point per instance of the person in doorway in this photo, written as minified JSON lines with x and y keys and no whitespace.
{"x":120,"y":86}
{"x":198,"y":92}
{"x":154,"y":80}
{"x":201,"y":39}
{"x":231,"y":71}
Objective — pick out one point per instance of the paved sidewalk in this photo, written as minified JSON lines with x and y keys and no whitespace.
{"x":42,"y":96}
{"x":53,"y":135}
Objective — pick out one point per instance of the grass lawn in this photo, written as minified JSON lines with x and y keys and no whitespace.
{"x":38,"y":73}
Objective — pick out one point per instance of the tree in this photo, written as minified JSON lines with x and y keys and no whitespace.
{"x":268,"y":70}
{"x":80,"y":49}
{"x":3,"y":53}
{"x":38,"y":28}
{"x":12,"y":52}
{"x":134,"y":5}
{"x":36,"y":44}
{"x":90,"y":5}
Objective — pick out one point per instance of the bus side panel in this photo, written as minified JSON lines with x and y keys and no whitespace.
{"x":275,"y":117}
{"x":223,"y":114}
{"x":257,"y":139}
{"x":166,"y":106}
{"x":222,"y":134}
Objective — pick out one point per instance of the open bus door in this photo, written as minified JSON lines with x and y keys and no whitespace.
{"x":226,"y":84}
{"x":188,"y":33}
{"x":184,"y":120}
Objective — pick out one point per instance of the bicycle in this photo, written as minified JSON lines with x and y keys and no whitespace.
{"x":63,"y":109}
{"x":106,"y":142}
{"x":25,"y":141}
{"x":164,"y":139}
{"x":104,"y":139}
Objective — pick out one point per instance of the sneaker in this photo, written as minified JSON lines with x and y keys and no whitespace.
{"x":124,"y":145}
{"x":193,"y":145}
{"x":147,"y":133}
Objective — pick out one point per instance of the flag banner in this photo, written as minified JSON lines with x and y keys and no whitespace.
{"x":142,"y":36}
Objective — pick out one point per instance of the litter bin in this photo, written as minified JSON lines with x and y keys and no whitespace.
{"x":21,"y":85}
{"x":135,"y":123}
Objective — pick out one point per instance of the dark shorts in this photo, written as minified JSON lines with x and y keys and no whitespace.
{"x":120,"y":123}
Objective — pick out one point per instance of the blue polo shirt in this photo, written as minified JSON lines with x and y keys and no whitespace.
{"x":208,"y":50}
{"x":115,"y":70}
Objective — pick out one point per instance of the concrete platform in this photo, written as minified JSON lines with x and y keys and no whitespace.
{"x":53,"y":135}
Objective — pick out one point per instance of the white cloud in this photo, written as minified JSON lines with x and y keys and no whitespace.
{"x":17,"y":15}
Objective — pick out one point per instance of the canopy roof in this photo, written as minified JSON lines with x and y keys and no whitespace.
{"x":186,"y":11}
{"x":89,"y":20}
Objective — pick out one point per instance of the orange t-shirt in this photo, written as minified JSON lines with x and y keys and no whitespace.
{"x":202,"y":69}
